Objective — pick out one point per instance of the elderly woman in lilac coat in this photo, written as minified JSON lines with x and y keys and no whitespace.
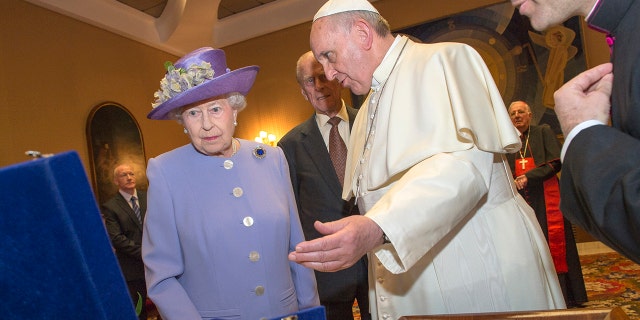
{"x":221,"y":216}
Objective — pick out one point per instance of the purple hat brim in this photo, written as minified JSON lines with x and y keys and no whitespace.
{"x":239,"y":80}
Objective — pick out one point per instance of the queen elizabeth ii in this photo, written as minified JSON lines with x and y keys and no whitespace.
{"x":221,"y":214}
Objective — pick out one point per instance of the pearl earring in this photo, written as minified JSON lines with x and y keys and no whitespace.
{"x":185,"y":130}
{"x":235,"y":123}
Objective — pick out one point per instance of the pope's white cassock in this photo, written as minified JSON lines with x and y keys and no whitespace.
{"x":427,"y":164}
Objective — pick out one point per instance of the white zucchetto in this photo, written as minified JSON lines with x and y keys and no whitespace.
{"x":338,"y":6}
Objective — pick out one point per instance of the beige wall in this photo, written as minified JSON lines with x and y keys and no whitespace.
{"x":56,"y":69}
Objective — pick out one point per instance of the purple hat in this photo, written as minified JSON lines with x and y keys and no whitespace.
{"x":199,"y":75}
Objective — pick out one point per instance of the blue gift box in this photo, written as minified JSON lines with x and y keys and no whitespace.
{"x":56,"y":260}
{"x":315,"y":313}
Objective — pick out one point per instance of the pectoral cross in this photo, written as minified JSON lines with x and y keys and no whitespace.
{"x":523,"y":163}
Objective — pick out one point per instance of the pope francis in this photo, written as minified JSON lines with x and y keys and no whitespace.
{"x":445,"y":229}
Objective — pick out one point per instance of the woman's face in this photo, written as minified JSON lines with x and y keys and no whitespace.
{"x":210,"y":125}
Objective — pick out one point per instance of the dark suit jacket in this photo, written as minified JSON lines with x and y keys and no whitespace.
{"x":600,"y":182}
{"x":319,"y":196}
{"x":125,"y":232}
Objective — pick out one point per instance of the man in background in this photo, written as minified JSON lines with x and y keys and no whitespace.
{"x":123,"y":215}
{"x":317,"y":182}
{"x":535,"y":167}
{"x":601,"y":176}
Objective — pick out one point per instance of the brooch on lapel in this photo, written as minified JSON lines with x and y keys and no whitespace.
{"x":259,"y":152}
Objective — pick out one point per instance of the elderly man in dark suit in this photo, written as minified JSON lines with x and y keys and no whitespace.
{"x":123,"y":215}
{"x":316,"y":160}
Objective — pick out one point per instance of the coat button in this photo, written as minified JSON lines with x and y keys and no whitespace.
{"x":228,"y":164}
{"x":247,"y":221}
{"x":237,"y":192}
{"x":254,"y":256}
{"x":259,"y":290}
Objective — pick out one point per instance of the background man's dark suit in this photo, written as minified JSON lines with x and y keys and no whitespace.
{"x":125,"y":232}
{"x":319,"y":196}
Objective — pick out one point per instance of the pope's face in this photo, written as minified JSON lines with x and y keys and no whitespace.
{"x":340,"y":55}
{"x":210,"y":126}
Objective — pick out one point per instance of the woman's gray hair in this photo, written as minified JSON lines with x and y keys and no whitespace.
{"x":236,"y":100}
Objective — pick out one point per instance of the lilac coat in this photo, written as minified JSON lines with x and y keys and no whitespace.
{"x":216,"y":236}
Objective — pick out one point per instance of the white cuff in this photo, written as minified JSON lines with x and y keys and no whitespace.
{"x":574,"y":132}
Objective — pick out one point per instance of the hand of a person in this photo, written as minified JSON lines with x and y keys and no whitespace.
{"x":585,"y":97}
{"x":345,"y":242}
{"x":521,"y":182}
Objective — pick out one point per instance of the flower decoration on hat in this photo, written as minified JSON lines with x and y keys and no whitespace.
{"x":178,"y":80}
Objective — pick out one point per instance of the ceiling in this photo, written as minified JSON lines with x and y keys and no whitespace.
{"x":180,"y":26}
{"x":226,"y":8}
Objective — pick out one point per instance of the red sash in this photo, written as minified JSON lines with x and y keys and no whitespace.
{"x":555,"y":221}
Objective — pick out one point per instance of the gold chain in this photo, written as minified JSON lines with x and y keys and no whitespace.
{"x":526,"y":144}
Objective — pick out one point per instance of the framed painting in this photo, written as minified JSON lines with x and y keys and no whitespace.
{"x":114,"y":138}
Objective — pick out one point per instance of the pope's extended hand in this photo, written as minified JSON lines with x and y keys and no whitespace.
{"x":585,"y":97}
{"x":345,"y":241}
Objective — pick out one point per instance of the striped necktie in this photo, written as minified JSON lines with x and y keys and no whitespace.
{"x":136,"y":208}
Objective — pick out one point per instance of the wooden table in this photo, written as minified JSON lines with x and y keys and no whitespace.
{"x":565,"y":314}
